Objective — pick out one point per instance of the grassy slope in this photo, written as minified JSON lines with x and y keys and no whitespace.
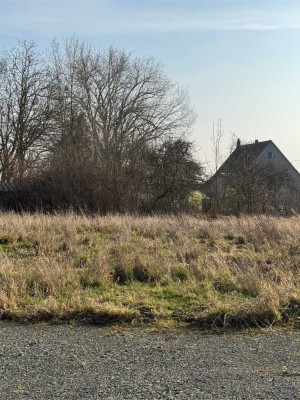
{"x":240,"y":272}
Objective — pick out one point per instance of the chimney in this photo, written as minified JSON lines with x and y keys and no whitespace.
{"x":238,"y":143}
{"x":256,"y":141}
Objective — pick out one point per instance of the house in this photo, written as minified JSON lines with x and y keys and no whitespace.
{"x":256,"y":177}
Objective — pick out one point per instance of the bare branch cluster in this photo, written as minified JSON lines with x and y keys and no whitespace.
{"x":95,"y":127}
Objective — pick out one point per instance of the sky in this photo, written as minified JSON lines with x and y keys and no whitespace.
{"x":240,"y":60}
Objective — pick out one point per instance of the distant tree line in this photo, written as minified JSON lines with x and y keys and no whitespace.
{"x":94,"y":130}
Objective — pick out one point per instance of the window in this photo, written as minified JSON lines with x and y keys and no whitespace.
{"x":270,"y":154}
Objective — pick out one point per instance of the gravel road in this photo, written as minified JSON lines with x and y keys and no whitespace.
{"x":89,"y":362}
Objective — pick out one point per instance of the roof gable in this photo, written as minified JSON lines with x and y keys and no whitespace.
{"x":291,"y":166}
{"x":252,"y":150}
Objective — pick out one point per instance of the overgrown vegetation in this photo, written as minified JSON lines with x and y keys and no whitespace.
{"x":100,"y":131}
{"x":227,"y":272}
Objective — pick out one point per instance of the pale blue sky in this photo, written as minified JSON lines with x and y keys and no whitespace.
{"x":240,"y":60}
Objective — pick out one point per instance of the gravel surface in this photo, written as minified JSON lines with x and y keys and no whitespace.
{"x":89,"y":362}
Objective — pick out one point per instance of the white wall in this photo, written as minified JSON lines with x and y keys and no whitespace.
{"x":279,"y":159}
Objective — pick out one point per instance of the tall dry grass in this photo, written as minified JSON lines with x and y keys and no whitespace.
{"x":225,"y":271}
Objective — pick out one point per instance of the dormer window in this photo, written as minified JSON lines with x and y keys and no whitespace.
{"x":270,"y":155}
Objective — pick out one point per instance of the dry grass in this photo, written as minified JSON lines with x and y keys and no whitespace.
{"x":222,"y":272}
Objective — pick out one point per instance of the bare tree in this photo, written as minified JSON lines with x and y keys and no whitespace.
{"x":94,"y":123}
{"x":259,"y":186}
{"x":216,"y":141}
{"x":128,"y":104}
{"x":24,"y":110}
{"x":251,"y":185}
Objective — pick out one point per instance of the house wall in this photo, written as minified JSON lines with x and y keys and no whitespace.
{"x":279,"y":159}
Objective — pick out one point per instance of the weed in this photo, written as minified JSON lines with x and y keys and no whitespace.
{"x":180,"y":272}
{"x":122,"y":275}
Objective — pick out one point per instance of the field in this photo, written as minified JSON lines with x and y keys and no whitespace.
{"x":226,"y":272}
